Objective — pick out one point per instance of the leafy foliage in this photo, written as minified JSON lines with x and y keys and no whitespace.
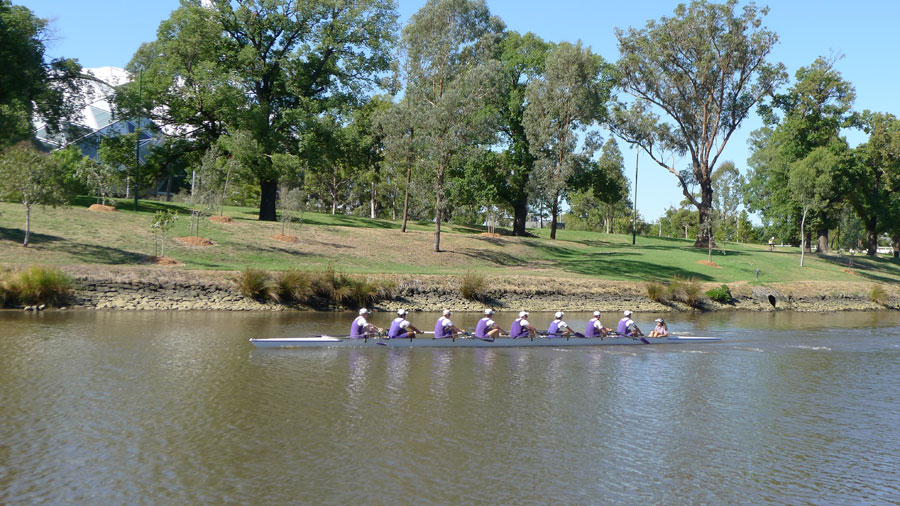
{"x":722,"y":294}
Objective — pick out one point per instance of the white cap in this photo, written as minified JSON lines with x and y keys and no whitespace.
{"x":401,"y":312}
{"x":363,"y":311}
{"x":628,"y":312}
{"x":559,"y":314}
{"x":523,"y":314}
{"x":446,"y":312}
{"x":658,"y":320}
{"x":488,"y":311}
{"x":596,"y":313}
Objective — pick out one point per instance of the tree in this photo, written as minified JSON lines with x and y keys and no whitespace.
{"x":810,"y":183}
{"x":265,"y":67}
{"x":447,"y":45}
{"x":727,"y":185}
{"x":813,"y":111}
{"x":31,"y":177}
{"x":521,"y":59}
{"x":875,"y":179}
{"x":704,"y":69}
{"x":31,"y":86}
{"x":163,"y":221}
{"x":567,"y":101}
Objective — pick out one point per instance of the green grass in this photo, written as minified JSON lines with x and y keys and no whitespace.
{"x":358,"y":245}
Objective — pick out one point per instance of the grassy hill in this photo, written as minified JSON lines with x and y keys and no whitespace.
{"x":77,"y":235}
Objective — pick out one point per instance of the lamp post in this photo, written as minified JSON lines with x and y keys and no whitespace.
{"x":137,"y":142}
{"x":634,"y":211}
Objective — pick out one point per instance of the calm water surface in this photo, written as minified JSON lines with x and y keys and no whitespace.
{"x":178,"y":408}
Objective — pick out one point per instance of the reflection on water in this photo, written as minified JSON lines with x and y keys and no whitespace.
{"x":178,"y":408}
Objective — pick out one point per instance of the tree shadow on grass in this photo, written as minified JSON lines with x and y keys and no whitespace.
{"x":18,"y":235}
{"x":614,"y":263}
{"x":341,"y":220}
{"x":493,"y":257}
{"x":94,"y":254}
{"x":884,"y":270}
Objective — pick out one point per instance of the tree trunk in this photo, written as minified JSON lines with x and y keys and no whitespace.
{"x":406,"y":198}
{"x":27,"y":225}
{"x":554,"y":211}
{"x":372,"y":202}
{"x":895,"y":245}
{"x":437,"y":210}
{"x":268,"y":197}
{"x":520,"y":216}
{"x":169,"y":184}
{"x":822,"y":241}
{"x":608,"y":217}
{"x":803,"y":235}
{"x":704,"y":227}
{"x":871,"y":236}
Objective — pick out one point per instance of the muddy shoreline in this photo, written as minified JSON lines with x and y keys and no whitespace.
{"x":148,"y":289}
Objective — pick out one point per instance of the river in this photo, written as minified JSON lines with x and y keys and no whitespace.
{"x":178,"y":408}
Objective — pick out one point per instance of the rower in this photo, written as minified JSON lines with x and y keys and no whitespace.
{"x":401,"y":327}
{"x":627,"y":326}
{"x":444,"y":327}
{"x":661,"y":330}
{"x":558,"y":328}
{"x":487,"y":328}
{"x":595,"y":328}
{"x":521,"y":328}
{"x":361,"y":328}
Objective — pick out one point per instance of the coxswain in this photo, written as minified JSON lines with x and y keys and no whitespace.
{"x":595,"y":328}
{"x":627,"y":326}
{"x":401,"y":327}
{"x":558,"y":328}
{"x":521,"y":328}
{"x":361,"y":328}
{"x":487,"y":328}
{"x":661,"y":329}
{"x":444,"y":327}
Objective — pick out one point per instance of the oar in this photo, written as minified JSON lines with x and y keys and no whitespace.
{"x":635,"y":338}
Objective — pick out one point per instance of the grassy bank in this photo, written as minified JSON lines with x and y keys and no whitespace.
{"x":350,"y":244}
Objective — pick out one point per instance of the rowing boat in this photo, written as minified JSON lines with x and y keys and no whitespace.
{"x":468,"y":342}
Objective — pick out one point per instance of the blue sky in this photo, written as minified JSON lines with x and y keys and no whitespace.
{"x":108,"y":32}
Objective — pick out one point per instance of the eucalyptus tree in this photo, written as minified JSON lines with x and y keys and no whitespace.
{"x":31,"y":85}
{"x":265,"y":67}
{"x":807,"y":117}
{"x":727,"y":185}
{"x":703,"y":69}
{"x":563,"y":105}
{"x":449,"y":76}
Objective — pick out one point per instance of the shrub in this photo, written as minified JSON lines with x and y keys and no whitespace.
{"x":657,"y":292}
{"x":340,"y":288}
{"x":257,"y":284}
{"x":722,"y":295}
{"x":473,"y":286}
{"x":42,"y":285}
{"x":8,"y":289}
{"x":878,"y":295}
{"x":293,"y":286}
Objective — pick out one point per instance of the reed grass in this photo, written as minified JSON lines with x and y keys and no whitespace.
{"x":36,"y":285}
{"x":257,"y":284}
{"x":657,"y":292}
{"x":293,"y":286}
{"x":878,"y":295}
{"x":473,"y":286}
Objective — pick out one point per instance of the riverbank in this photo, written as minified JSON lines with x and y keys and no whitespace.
{"x":148,"y":289}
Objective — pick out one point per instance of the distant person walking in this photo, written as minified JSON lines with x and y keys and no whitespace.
{"x":772,"y":243}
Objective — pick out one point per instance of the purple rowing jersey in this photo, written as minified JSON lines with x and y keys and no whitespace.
{"x":358,"y":328}
{"x":592,"y":330}
{"x":481,"y":327}
{"x":397,"y":328}
{"x":625,"y":326}
{"x":517,"y":330}
{"x":442,"y":329}
{"x":554,"y":328}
